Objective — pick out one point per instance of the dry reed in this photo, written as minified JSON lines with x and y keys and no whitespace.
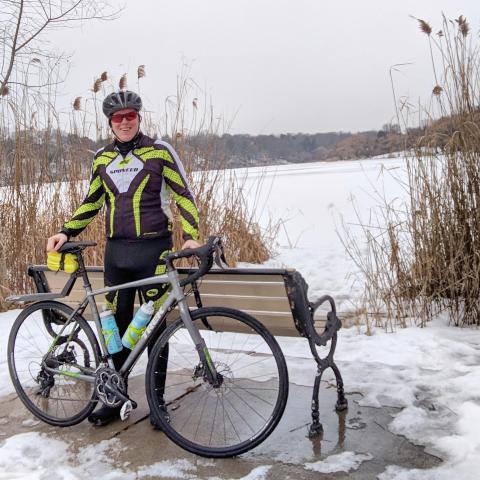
{"x":424,"y":259}
{"x":44,"y":180}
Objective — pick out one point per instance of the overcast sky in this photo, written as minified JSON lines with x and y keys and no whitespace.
{"x":269,"y":66}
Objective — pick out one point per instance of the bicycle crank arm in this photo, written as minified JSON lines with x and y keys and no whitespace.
{"x":120,"y":395}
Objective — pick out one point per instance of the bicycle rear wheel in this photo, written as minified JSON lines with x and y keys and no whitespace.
{"x":60,"y":399}
{"x":235,"y":416}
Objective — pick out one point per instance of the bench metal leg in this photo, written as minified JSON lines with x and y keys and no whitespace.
{"x":316,"y":428}
{"x":342,"y":403}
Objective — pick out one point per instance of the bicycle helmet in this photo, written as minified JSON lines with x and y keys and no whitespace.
{"x":119,"y":100}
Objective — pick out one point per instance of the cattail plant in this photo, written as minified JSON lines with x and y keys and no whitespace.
{"x":463,"y":26}
{"x":140,"y":74}
{"x":122,"y":84}
{"x":77,"y":103}
{"x":427,"y":30}
{"x":425,"y":27}
{"x":97,"y":85}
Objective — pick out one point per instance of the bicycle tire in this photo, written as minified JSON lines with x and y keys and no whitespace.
{"x":57,"y":399}
{"x":260,"y":396}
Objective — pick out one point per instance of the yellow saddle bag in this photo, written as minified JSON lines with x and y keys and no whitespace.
{"x":57,"y":261}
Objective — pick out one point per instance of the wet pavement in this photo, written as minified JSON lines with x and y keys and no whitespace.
{"x":288,"y":451}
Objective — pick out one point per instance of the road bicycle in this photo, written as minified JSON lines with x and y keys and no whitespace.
{"x":216,"y":380}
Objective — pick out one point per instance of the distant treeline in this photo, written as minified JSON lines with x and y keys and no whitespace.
{"x":29,"y":155}
{"x":249,"y":150}
{"x":211,"y":151}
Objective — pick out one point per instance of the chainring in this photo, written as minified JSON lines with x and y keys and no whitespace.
{"x":107,"y":376}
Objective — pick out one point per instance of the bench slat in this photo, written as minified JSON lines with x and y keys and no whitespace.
{"x":255,"y":288}
{"x":245,"y":289}
{"x":214,"y":277}
{"x":243,"y":302}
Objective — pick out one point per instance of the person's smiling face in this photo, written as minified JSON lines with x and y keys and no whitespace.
{"x":125,"y":124}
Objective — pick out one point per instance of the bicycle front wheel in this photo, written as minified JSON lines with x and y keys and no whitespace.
{"x":236,"y":415}
{"x":44,"y":368}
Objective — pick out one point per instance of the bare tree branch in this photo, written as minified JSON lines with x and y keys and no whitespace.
{"x":24,"y":21}
{"x":12,"y":55}
{"x":61,"y":17}
{"x":46,"y":84}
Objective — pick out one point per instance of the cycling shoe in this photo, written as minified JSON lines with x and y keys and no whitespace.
{"x":104,"y":415}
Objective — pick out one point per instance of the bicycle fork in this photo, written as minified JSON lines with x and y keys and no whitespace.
{"x":206,"y":367}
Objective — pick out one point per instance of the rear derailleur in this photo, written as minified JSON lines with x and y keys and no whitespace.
{"x":45,"y":379}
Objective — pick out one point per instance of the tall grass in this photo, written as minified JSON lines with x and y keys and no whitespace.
{"x":45,"y":173}
{"x":425,"y":258}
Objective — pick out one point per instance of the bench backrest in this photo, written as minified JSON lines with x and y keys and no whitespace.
{"x":259,"y":292}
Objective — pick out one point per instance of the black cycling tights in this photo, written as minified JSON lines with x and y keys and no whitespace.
{"x":127,"y":261}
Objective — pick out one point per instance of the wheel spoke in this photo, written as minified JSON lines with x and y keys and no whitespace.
{"x":240,"y":410}
{"x":58,"y":399}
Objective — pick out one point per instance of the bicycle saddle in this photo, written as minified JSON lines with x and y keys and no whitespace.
{"x":69,"y":247}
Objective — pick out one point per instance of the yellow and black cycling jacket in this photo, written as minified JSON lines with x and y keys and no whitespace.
{"x":136,"y":189}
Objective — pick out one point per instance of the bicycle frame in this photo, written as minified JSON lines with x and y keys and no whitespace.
{"x":176,"y":295}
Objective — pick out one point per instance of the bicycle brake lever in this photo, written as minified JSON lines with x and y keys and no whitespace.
{"x":219,"y":256}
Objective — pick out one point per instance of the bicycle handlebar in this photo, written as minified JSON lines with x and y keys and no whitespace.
{"x":205,"y":253}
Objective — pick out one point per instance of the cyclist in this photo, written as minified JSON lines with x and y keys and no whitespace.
{"x":135,"y":177}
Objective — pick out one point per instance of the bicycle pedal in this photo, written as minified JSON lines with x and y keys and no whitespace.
{"x":126,"y":410}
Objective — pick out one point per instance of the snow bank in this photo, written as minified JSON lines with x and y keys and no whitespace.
{"x":343,"y":462}
{"x":35,"y":456}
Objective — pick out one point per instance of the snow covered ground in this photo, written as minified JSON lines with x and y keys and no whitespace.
{"x":432,"y":374}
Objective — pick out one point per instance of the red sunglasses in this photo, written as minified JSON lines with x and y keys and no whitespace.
{"x":129,"y":117}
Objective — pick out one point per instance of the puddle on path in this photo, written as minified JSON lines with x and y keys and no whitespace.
{"x":361,"y":430}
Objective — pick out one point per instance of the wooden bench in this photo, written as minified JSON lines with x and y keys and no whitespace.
{"x":276,"y":297}
{"x":259,"y":292}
